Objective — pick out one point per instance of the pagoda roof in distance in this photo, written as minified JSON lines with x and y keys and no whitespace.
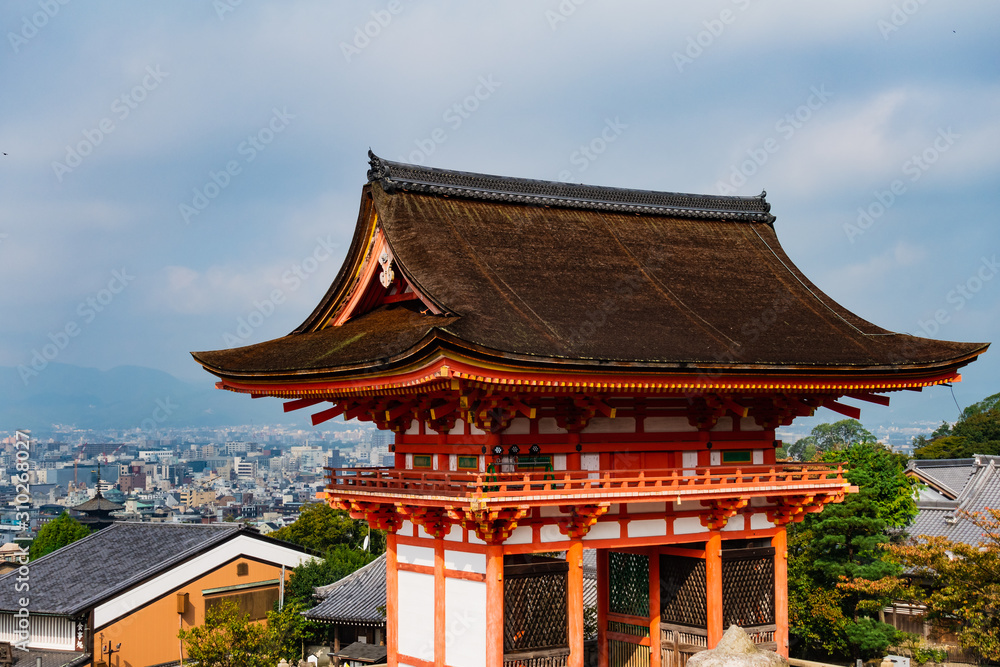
{"x":98,"y":504}
{"x":543,"y":276}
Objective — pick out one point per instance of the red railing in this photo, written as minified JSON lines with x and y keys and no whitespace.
{"x":716,"y":480}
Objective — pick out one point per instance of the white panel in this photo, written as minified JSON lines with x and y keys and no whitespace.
{"x":647,"y":528}
{"x":521,"y":535}
{"x":668,"y":425}
{"x":459,"y":429}
{"x":241,"y":545}
{"x":465,"y":561}
{"x":551,"y":534}
{"x":715,"y":458}
{"x":415,"y":599}
{"x":550,"y":511}
{"x":456,"y":534}
{"x":735,"y":523}
{"x":414,"y":428}
{"x":406,"y":528}
{"x":723,"y":424}
{"x":759,"y":522}
{"x":603,"y":530}
{"x":474,"y":539}
{"x":476,"y":431}
{"x":687,"y":525}
{"x":758,"y":457}
{"x":465,"y":623}
{"x":482,"y":464}
{"x":641,"y":508}
{"x":547,"y":425}
{"x":688,"y":506}
{"x":519,"y":426}
{"x":759,"y":501}
{"x":406,"y":553}
{"x":606,"y":425}
{"x":750,"y":424}
{"x":689,"y":461}
{"x":591,"y":462}
{"x":409,"y":461}
{"x":423,"y":533}
{"x":453,"y":462}
{"x":558,"y":461}
{"x":614,"y":508}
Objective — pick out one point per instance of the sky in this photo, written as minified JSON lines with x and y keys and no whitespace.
{"x":186,"y":175}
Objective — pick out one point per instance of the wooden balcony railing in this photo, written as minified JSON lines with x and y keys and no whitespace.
{"x":716,"y":481}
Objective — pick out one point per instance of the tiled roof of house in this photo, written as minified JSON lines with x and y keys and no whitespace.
{"x":976,"y":483}
{"x":355,"y":598}
{"x":79,"y":575}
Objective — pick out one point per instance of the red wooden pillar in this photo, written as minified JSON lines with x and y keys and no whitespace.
{"x":780,"y":544}
{"x":654,"y":607}
{"x":713,"y":576}
{"x":391,"y":601}
{"x":439,"y":608}
{"x":494,"y":605}
{"x":574,"y":603}
{"x":602,"y":607}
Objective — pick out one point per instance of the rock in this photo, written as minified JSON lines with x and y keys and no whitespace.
{"x":736,"y":650}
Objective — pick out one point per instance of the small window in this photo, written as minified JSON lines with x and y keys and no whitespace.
{"x":468,"y":463}
{"x":242,"y":569}
{"x":534,"y":464}
{"x":421,"y":460}
{"x":737,"y":457}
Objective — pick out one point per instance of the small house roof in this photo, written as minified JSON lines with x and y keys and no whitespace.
{"x":976,"y":485}
{"x":354,"y":599}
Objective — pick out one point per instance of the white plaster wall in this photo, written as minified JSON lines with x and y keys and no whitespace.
{"x":465,"y":623}
{"x":414,"y":428}
{"x":723,"y":424}
{"x":758,"y":457}
{"x":465,"y":561}
{"x":759,"y":522}
{"x":641,"y":508}
{"x":548,"y":425}
{"x":749,"y":424}
{"x":520,"y":535}
{"x":415,"y":631}
{"x":607,"y":425}
{"x":456,"y":534}
{"x":412,"y":555}
{"x":759,"y":501}
{"x":647,"y":528}
{"x":519,"y":426}
{"x":551,"y":534}
{"x":603,"y":530}
{"x":686,"y":525}
{"x":735,"y":523}
{"x":558,"y":461}
{"x":406,"y":528}
{"x":668,"y":425}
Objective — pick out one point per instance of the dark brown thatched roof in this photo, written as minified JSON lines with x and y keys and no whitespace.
{"x":547,"y":274}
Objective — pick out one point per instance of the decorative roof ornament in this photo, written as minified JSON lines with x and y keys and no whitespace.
{"x":387,"y":275}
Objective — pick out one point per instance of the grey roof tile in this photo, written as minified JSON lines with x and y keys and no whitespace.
{"x":355,"y":598}
{"x":69,"y":580}
{"x":979,"y":490}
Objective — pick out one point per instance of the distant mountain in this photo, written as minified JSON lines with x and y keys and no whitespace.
{"x":125,"y":397}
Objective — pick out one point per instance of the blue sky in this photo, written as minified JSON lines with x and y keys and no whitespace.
{"x":175,"y":169}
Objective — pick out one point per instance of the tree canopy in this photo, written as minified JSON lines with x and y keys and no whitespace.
{"x":231,"y":639}
{"x":825,"y":438}
{"x":977,"y":431}
{"x":321,"y":528}
{"x":56,"y":534}
{"x":836,"y":559}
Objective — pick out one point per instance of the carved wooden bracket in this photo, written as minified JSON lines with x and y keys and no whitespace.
{"x":492,"y":526}
{"x":792,"y":509}
{"x":581,"y":518}
{"x":380,"y":516}
{"x":436,"y":521}
{"x":721,"y":511}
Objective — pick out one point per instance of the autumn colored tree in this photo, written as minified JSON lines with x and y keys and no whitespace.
{"x":56,"y":534}
{"x":959,"y":583}
{"x":836,"y":559}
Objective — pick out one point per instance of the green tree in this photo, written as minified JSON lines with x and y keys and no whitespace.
{"x":977,"y":431}
{"x":837,"y":566}
{"x":56,"y":534}
{"x":959,"y":583}
{"x":337,"y":563}
{"x":231,"y":639}
{"x":291,"y":629}
{"x":827,"y":437}
{"x":320,"y":528}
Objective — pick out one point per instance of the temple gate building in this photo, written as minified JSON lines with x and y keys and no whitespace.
{"x":568,"y":367}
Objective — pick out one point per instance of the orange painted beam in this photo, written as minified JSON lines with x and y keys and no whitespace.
{"x":391,"y":601}
{"x":440,"y":626}
{"x":602,"y":608}
{"x":494,"y":606}
{"x":780,"y":544}
{"x":654,"y":607}
{"x":713,"y":576}
{"x":574,"y":605}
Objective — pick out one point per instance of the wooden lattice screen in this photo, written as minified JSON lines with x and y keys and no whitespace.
{"x":748,"y":587}
{"x":534,"y":604}
{"x":683,"y":592}
{"x":628,"y":584}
